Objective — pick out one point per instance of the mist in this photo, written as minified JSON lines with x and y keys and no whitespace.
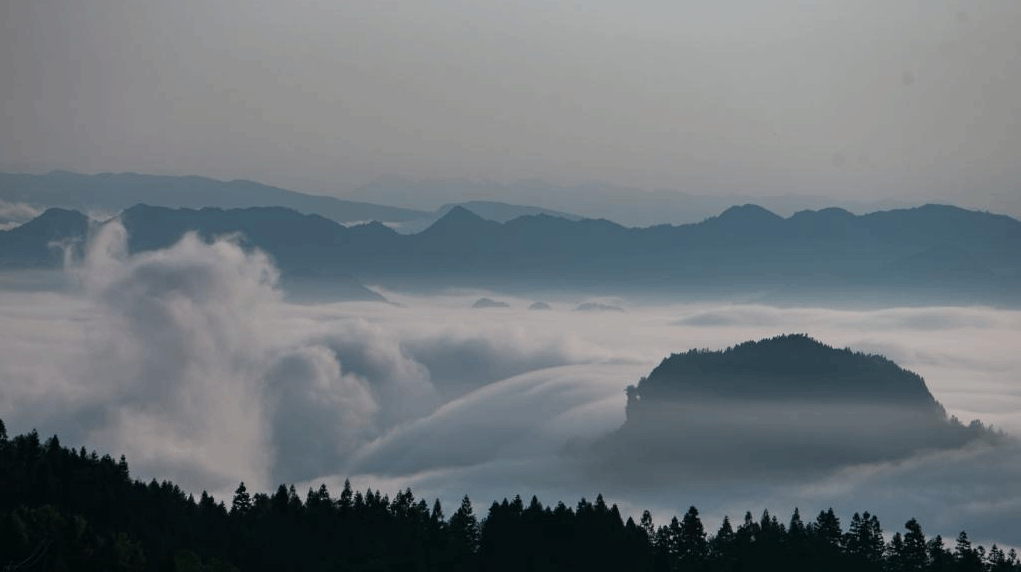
{"x":14,"y":214}
{"x":912,"y":101}
{"x":190,"y":361}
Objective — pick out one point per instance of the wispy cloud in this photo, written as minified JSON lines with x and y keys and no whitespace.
{"x":14,"y":214}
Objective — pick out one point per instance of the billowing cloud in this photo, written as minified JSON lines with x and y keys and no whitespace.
{"x":188,"y":360}
{"x":318,"y":412}
{"x":170,"y":361}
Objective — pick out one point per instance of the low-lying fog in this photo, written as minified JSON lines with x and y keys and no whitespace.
{"x":190,"y":362}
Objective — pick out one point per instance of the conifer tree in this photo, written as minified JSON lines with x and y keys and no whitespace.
{"x":692,"y":546}
{"x":436,"y":516}
{"x":464,"y":528}
{"x":827,"y":528}
{"x":647,"y":526}
{"x":796,"y":526}
{"x":345,"y":501}
{"x":915,"y":556}
{"x":242,"y":503}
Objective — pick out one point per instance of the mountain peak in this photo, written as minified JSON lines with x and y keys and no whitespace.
{"x":504,"y":212}
{"x":742,"y":223}
{"x":458,"y":212}
{"x":31,"y":244}
{"x":748,"y":213}
{"x":55,"y":217}
{"x":58,"y":212}
{"x":828,"y":213}
{"x":459,"y":219}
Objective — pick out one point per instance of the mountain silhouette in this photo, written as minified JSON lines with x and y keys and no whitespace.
{"x":113,"y":192}
{"x":742,"y":222}
{"x":489,"y":303}
{"x":504,"y":212}
{"x":597,"y":307}
{"x":930,"y":254}
{"x":308,"y":274}
{"x":457,"y":223}
{"x":826,"y":224}
{"x":777,"y":404}
{"x":489,"y":210}
{"x":629,"y":206}
{"x":787,"y":367}
{"x":39,"y":242}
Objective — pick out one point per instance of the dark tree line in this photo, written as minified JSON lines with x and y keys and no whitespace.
{"x":66,"y":509}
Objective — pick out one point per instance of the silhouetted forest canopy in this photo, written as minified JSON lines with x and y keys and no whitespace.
{"x":67,"y":509}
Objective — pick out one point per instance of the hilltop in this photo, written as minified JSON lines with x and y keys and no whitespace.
{"x":776,"y":405}
{"x":789,"y":368}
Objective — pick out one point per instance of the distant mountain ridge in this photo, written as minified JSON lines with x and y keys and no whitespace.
{"x":629,"y":206}
{"x":113,"y":192}
{"x":489,"y":210}
{"x":928,"y":254}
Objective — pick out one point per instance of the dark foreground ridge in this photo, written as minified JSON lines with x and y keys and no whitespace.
{"x":62,"y":509}
{"x":780,"y":404}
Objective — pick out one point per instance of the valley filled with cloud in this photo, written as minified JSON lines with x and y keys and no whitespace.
{"x":190,"y":361}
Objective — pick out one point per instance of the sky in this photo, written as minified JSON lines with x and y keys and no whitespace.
{"x":192,"y":363}
{"x":915,"y":100}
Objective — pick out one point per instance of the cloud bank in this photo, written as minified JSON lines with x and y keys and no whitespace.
{"x":189,"y":361}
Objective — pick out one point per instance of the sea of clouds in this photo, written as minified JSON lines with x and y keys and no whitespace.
{"x":192,"y":363}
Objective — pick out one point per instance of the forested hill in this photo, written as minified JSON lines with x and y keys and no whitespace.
{"x":788,"y":403}
{"x":792,"y":367}
{"x":68,"y":510}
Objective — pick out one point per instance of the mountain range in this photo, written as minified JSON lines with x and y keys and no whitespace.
{"x":928,"y":254}
{"x":23,"y":195}
{"x":628,"y":206}
{"x":489,"y":210}
{"x":113,"y":192}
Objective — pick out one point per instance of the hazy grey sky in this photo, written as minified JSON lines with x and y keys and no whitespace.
{"x":864,"y":99}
